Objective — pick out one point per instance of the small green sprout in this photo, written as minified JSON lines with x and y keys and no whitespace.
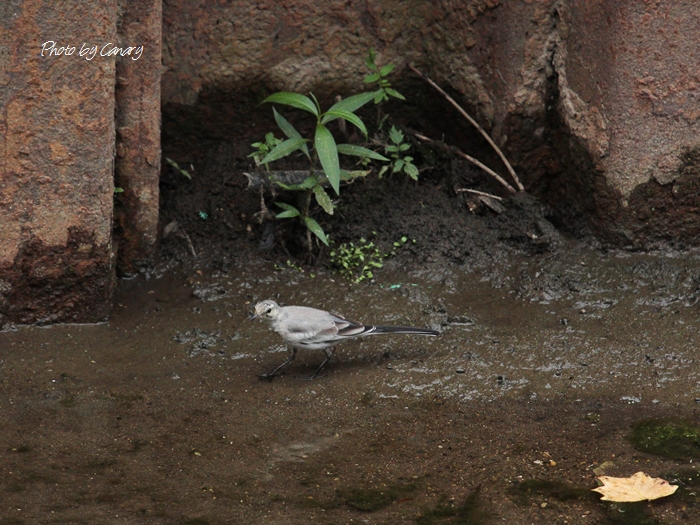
{"x":263,"y":148}
{"x":175,"y":165}
{"x":399,"y":162}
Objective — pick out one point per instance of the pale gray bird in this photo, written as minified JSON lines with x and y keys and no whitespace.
{"x":313,"y":329}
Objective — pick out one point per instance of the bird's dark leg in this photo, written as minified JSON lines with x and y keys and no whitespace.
{"x":328,"y":353}
{"x":272,"y":374}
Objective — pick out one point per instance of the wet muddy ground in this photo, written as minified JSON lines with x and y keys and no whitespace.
{"x":552,"y":352}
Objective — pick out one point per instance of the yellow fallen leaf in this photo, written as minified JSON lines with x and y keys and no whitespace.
{"x":638,"y":487}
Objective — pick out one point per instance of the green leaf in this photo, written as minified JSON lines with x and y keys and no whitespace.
{"x":289,"y":211}
{"x":330,"y":115}
{"x":283,"y":149}
{"x":353,"y":103}
{"x":323,"y":199}
{"x":385,"y":70}
{"x":296,"y":100}
{"x":328,"y":155}
{"x":395,"y":94}
{"x":398,"y":165}
{"x":307,"y":183}
{"x":411,"y":170}
{"x":316,"y":229}
{"x":371,"y":78}
{"x":369,"y":61}
{"x":352,"y":175}
{"x":318,"y":106}
{"x":289,"y":130}
{"x":396,"y":135}
{"x":178,"y":168}
{"x":404,"y":147}
{"x":359,"y":151}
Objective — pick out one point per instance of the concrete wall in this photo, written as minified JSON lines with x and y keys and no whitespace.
{"x":57,"y":149}
{"x":137,"y":163}
{"x":634,"y":69}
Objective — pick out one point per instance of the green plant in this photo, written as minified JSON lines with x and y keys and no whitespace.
{"x":324,"y":151}
{"x":358,"y":261}
{"x":398,"y":244}
{"x":175,"y":165}
{"x":399,"y":162}
{"x":378,"y":76}
{"x":263,"y":148}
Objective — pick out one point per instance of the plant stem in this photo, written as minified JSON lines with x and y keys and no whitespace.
{"x":305,"y":213}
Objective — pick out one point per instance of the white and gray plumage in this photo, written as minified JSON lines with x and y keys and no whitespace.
{"x":302,"y":327}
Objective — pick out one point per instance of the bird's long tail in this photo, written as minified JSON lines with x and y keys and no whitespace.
{"x":370,"y":330}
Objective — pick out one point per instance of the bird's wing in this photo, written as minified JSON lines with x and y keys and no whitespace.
{"x":304,"y":319}
{"x":302,"y":325}
{"x":348,"y":328}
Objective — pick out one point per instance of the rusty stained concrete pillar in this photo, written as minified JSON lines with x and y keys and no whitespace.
{"x":137,"y":163}
{"x":56,"y":161}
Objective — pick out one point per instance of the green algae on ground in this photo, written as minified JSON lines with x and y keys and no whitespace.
{"x":668,"y":438}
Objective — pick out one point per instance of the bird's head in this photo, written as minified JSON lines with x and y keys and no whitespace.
{"x":266,"y":310}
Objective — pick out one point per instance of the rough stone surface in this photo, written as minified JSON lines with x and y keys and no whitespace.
{"x":596,"y":103}
{"x":634,"y":69}
{"x":56,"y":163}
{"x":137,"y":163}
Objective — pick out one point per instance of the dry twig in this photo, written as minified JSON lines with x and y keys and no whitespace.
{"x":477,"y":192}
{"x":476,"y":125}
{"x":474,"y":161}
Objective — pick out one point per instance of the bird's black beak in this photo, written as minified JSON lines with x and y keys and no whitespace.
{"x":253,"y":316}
